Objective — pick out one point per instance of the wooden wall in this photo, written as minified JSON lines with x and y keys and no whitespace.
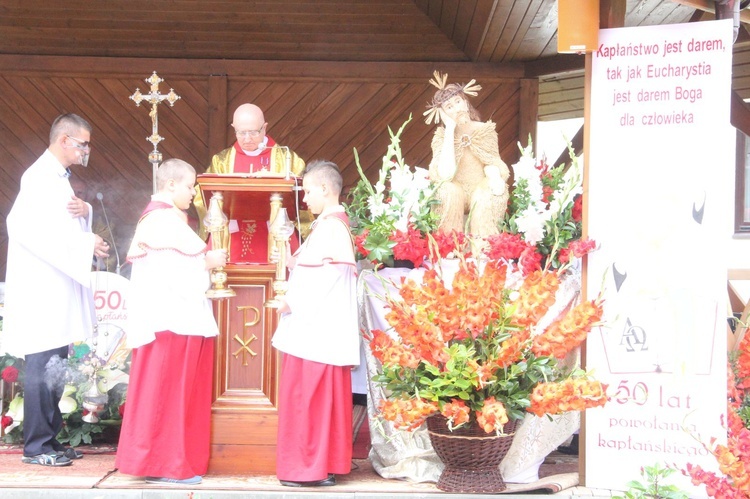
{"x":321,"y":110}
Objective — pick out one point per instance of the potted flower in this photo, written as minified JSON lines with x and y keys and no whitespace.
{"x":391,"y":218}
{"x":465,"y":352}
{"x":542,"y":226}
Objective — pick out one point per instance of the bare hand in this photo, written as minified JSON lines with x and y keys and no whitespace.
{"x":101,"y":247}
{"x":77,"y":207}
{"x":275,"y":256}
{"x":450,"y":123}
{"x":283,"y":306}
{"x":216,"y":258}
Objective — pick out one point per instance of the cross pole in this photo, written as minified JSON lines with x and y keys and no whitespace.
{"x":154,"y":98}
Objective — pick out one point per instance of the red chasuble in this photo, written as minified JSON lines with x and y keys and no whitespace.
{"x":244,"y":163}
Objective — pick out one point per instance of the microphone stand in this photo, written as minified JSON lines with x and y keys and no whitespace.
{"x":100,"y":197}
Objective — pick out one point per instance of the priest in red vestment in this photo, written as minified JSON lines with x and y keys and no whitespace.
{"x":255,"y":153}
{"x":318,"y":335}
{"x":165,"y":434}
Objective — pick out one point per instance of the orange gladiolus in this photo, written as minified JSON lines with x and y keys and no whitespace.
{"x":457,"y":412}
{"x":492,"y":416}
{"x":572,"y":394}
{"x":537,"y":294}
{"x":566,"y":333}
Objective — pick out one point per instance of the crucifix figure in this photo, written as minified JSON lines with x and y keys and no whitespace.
{"x":154,"y":98}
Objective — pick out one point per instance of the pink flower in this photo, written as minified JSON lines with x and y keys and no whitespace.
{"x":582,"y":247}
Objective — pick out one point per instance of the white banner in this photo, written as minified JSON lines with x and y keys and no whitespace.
{"x":659,"y":203}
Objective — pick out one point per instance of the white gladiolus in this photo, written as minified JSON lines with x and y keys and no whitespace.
{"x":531,"y":223}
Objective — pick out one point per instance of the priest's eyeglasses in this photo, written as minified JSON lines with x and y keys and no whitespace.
{"x":249,"y":133}
{"x":80,"y":144}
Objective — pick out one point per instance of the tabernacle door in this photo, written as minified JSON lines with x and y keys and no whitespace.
{"x":246,"y":373}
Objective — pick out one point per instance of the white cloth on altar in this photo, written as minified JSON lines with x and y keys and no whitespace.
{"x":169,"y":269}
{"x":322,"y":298}
{"x":409,"y":455}
{"x":48,"y":298}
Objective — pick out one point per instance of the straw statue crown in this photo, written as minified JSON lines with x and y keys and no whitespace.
{"x":445,"y":93}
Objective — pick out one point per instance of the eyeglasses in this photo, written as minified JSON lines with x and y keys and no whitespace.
{"x":80,"y":144}
{"x":249,"y":133}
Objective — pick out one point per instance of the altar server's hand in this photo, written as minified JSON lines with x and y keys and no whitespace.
{"x":77,"y":207}
{"x":276,"y":256}
{"x":283,"y":306}
{"x":216,"y":258}
{"x":101,"y":247}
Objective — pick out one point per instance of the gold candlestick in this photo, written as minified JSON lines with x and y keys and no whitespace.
{"x":281,"y":230}
{"x":217,"y":225}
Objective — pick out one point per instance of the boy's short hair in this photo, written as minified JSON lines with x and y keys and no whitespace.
{"x":172,"y":169}
{"x":67,"y":124}
{"x":327,"y":172}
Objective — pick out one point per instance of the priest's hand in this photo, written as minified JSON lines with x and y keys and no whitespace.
{"x":216,"y":258}
{"x":101,"y":247}
{"x":77,"y":207}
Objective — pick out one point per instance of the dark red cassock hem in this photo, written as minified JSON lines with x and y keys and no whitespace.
{"x":166,"y":428}
{"x":315,"y":420}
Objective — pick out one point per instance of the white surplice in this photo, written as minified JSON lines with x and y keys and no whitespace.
{"x":169,"y":279}
{"x":48,"y":299}
{"x":323,"y":323}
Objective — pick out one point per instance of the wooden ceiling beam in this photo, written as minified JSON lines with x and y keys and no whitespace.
{"x":561,"y":63}
{"x":709,"y":6}
{"x":612,"y":13}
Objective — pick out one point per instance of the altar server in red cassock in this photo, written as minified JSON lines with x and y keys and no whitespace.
{"x":318,"y":334}
{"x":171,"y":328}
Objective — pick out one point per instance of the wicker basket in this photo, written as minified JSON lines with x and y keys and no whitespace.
{"x":471,"y":456}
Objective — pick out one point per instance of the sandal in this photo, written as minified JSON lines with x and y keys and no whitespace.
{"x":51,"y":459}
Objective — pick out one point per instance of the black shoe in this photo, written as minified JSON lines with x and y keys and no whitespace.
{"x":571,"y":449}
{"x":70,"y":453}
{"x":326,"y":482}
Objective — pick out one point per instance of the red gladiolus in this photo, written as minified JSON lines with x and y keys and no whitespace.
{"x":410,"y":245}
{"x":10,"y":374}
{"x":359,"y":242}
{"x":577,"y":212}
{"x":448,"y":242}
{"x":505,"y":246}
{"x":6,"y":421}
{"x":547,"y":193}
{"x":530,"y":260}
{"x":582,"y":247}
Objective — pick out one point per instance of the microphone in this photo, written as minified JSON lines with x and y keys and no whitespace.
{"x":287,"y":160}
{"x":100,"y":197}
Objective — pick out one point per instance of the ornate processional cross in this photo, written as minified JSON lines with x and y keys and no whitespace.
{"x":154,"y":98}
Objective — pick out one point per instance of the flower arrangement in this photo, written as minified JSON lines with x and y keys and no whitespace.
{"x":82,"y":370}
{"x":468,"y":347}
{"x":734,"y":457}
{"x":543,"y":221}
{"x":391,"y":219}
